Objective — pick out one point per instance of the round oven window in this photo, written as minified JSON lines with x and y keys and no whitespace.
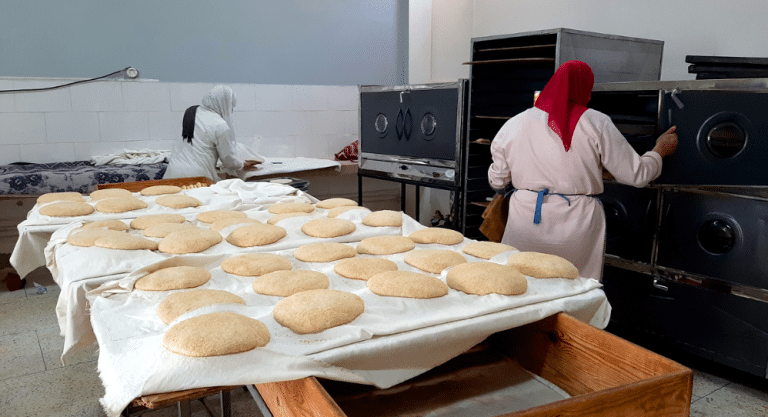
{"x":717,"y":236}
{"x":726,"y":140}
{"x":428,"y":124}
{"x":381,"y":123}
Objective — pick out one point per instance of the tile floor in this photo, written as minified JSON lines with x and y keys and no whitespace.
{"x":33,"y":381}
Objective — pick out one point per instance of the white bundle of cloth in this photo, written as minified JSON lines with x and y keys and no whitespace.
{"x":131,"y":157}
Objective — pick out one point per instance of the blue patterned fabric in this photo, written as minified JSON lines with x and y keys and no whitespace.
{"x":80,"y":176}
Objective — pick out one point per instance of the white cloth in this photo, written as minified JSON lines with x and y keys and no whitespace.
{"x":527,"y":153}
{"x":272,"y":166}
{"x":130,"y":157}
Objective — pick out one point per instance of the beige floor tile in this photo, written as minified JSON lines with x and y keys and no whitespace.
{"x":52,"y":345}
{"x":20,"y":355}
{"x":704,"y":383}
{"x":11,"y":296}
{"x":28,"y":314}
{"x":52,"y":290}
{"x":733,"y":400}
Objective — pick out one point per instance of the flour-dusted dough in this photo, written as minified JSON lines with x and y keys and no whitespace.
{"x":110,"y":193}
{"x":324,"y":252}
{"x":220,"y":224}
{"x":280,"y":208}
{"x":314,"y":311}
{"x":384,"y":218}
{"x":543,"y":265}
{"x":142,"y":222}
{"x":328,"y":227}
{"x":486,"y":250}
{"x":406,"y":284}
{"x":61,"y":196}
{"x":437,"y":235}
{"x":341,"y":209}
{"x":385,"y":245}
{"x":119,"y":205}
{"x":178,"y":201}
{"x":160,"y":190}
{"x":335,"y":202}
{"x":173,"y":278}
{"x":211,"y":216}
{"x":278,"y":217}
{"x":433,"y":260}
{"x":66,"y":209}
{"x":483,"y":278}
{"x":125,"y":241}
{"x":363,"y":268}
{"x":165,"y":229}
{"x":286,"y":283}
{"x":111,"y":224}
{"x":189,"y":241}
{"x":216,"y":334}
{"x":255,"y":264}
{"x":87,"y":237}
{"x":257,"y":234}
{"x":178,"y":303}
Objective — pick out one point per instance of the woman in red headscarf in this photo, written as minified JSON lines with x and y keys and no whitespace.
{"x":553,"y":155}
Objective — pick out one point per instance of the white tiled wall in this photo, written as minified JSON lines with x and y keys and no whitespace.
{"x":101,"y":117}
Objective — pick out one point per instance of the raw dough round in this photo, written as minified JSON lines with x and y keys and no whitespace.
{"x":215,"y":334}
{"x":384,"y":218}
{"x":120,"y":205}
{"x":433,"y":260}
{"x":542,"y":265}
{"x":189,"y":241}
{"x":316,"y":310}
{"x":280,"y":208}
{"x":406,"y":284}
{"x":178,"y":201}
{"x":257,"y":234}
{"x":328,"y":227}
{"x":437,"y":235}
{"x":385,"y":245}
{"x":110,"y":193}
{"x":111,"y":224}
{"x":482,"y":278}
{"x":66,"y":209}
{"x":182,"y":302}
{"x":486,"y":250}
{"x":335,"y":202}
{"x":160,"y":190}
{"x":363,"y":268}
{"x":125,"y":241}
{"x":286,"y":283}
{"x":324,"y":252}
{"x":173,"y":278}
{"x":142,"y":222}
{"x":255,"y":264}
{"x":165,"y":229}
{"x":62,"y":196}
{"x":87,"y":237}
{"x":214,"y":215}
{"x":277,"y":217}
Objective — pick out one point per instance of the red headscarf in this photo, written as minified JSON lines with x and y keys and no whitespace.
{"x":565,"y":98}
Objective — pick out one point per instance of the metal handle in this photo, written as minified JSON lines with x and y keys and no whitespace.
{"x":658,"y":284}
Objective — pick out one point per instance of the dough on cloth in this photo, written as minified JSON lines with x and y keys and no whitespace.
{"x":286,"y":283}
{"x":257,"y":234}
{"x":66,"y":209}
{"x":165,"y":229}
{"x":328,"y":227}
{"x":142,"y":222}
{"x":280,"y":208}
{"x":277,"y":217}
{"x":215,"y":334}
{"x":407,"y":284}
{"x":125,"y":241}
{"x":173,"y":278}
{"x":385,"y":245}
{"x":178,"y":303}
{"x":178,"y":201}
{"x":486,"y":250}
{"x":119,"y":205}
{"x":255,"y":264}
{"x":220,"y":224}
{"x":112,"y":224}
{"x":316,"y":310}
{"x":213,"y":215}
{"x":87,"y":237}
{"x":437,"y":235}
{"x":60,"y":196}
{"x":482,"y":278}
{"x":324,"y":252}
{"x":363,"y":268}
{"x":433,"y":260}
{"x":341,"y":209}
{"x":542,"y":265}
{"x":384,"y":218}
{"x":189,"y":241}
{"x":160,"y":190}
{"x":110,"y":193}
{"x":335,"y":202}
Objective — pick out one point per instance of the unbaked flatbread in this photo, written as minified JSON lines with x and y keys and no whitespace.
{"x":125,"y":241}
{"x":216,"y":334}
{"x":214,"y":215}
{"x":87,"y":237}
{"x":342,"y":209}
{"x":119,"y":205}
{"x":257,"y":234}
{"x":255,"y":264}
{"x":160,"y":190}
{"x":173,"y":278}
{"x":286,"y":283}
{"x":220,"y":224}
{"x":62,"y":196}
{"x":110,"y":193}
{"x":363,"y":268}
{"x":280,"y":208}
{"x":328,"y":227}
{"x":486,"y":250}
{"x":182,"y":302}
{"x":335,"y":202}
{"x":437,"y":235}
{"x":542,"y":265}
{"x":406,"y":284}
{"x":433,"y":260}
{"x":189,"y":241}
{"x":165,"y":229}
{"x":143,"y":221}
{"x":314,"y":311}
{"x":178,"y":201}
{"x":385,"y":245}
{"x":66,"y":209}
{"x":483,"y":278}
{"x":111,"y":224}
{"x":384,"y":218}
{"x":324,"y":252}
{"x":277,"y":217}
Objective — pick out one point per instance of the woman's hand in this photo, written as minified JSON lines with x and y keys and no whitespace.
{"x":250,"y":164}
{"x":666,"y":144}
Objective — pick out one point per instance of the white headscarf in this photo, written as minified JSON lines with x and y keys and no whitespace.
{"x":221,"y":100}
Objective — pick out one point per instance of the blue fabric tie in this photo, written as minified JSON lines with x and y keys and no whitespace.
{"x":540,"y":200}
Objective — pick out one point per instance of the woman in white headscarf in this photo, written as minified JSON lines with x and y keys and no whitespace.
{"x":207,"y":136}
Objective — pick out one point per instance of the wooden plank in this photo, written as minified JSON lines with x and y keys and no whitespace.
{"x":302,"y":397}
{"x":154,"y":401}
{"x":137,"y":186}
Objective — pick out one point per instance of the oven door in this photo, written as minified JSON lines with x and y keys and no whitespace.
{"x":631,"y":218}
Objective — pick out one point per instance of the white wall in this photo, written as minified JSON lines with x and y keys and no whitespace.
{"x":687,"y":27}
{"x":77,"y":122}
